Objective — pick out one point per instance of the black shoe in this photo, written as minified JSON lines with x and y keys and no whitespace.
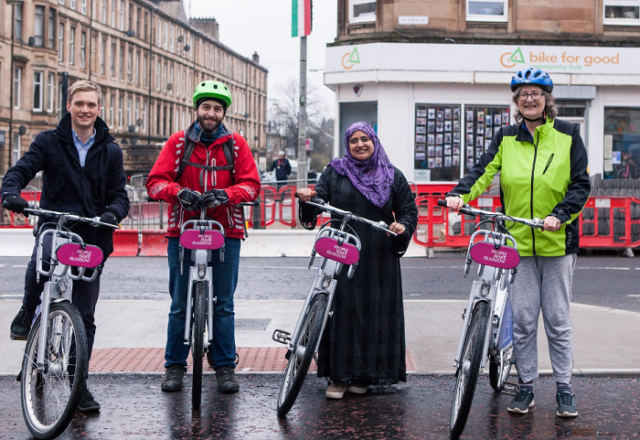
{"x":87,"y":403}
{"x":21,"y":324}
{"x":522,"y":402}
{"x":227,"y":380}
{"x":566,"y":405}
{"x":173,"y":378}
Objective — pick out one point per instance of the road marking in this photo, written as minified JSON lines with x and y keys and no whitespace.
{"x":18,"y":265}
{"x":1,"y":265}
{"x":604,"y":268}
{"x":633,"y":296}
{"x":275,"y":267}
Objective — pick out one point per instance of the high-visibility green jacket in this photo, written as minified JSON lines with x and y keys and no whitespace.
{"x":540,"y":175}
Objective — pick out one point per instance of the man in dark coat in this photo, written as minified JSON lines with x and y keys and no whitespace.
{"x":83,"y":173}
{"x":283,"y":169}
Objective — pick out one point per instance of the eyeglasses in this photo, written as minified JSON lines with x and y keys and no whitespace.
{"x":535,"y":96}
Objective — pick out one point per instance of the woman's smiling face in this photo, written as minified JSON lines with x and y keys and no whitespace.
{"x":361,"y":146}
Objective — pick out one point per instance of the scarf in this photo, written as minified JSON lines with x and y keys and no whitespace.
{"x":208,"y":138}
{"x":372,"y":177}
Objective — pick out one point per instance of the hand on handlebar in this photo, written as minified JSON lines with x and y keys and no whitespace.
{"x":212,"y":198}
{"x":15,"y":203}
{"x":189,"y":199}
{"x":551,"y":224}
{"x":110,"y":218}
{"x":454,"y":203}
{"x":396,"y":227}
{"x":306,"y":194}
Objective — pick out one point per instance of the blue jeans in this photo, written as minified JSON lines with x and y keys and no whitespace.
{"x":225,"y":279}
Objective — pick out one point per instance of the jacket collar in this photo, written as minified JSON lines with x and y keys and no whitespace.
{"x":193,"y":136}
{"x":525,"y":136}
{"x":63,"y":131}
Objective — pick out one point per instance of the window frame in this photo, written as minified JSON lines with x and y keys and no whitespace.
{"x":488,"y":18}
{"x":620,"y":21}
{"x":72,"y":5}
{"x":353,"y":20}
{"x":51,"y":92}
{"x":72,"y":46}
{"x":38,"y":90}
{"x":17,"y":86}
{"x":61,"y":29}
{"x":51,"y":31}
{"x":38,"y":28}
{"x":83,"y":50}
{"x":18,"y":18}
{"x":112,"y":70}
{"x":122,"y":10}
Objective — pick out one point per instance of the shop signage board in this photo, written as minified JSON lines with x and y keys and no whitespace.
{"x":483,"y":58}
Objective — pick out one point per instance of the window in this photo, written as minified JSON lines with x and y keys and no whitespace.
{"x":83,"y":50}
{"x":103,"y":57}
{"x":18,"y":22}
{"x":38,"y":26}
{"x":17,"y":141}
{"x":131,"y":16}
{"x":137,"y":115}
{"x":621,"y":142}
{"x":177,"y":84}
{"x":61,"y":43}
{"x":129,"y":123}
{"x":17,"y":81}
{"x":361,"y":11}
{"x":184,"y":77}
{"x":61,"y":2}
{"x":37,"y":90}
{"x":158,"y":119}
{"x":171,"y":78}
{"x":146,"y":26}
{"x":120,"y":107}
{"x":122,"y":15}
{"x":166,"y":35}
{"x":144,"y":70}
{"x":83,"y":7}
{"x":164,"y":78}
{"x":159,"y":39}
{"x":138,"y":14}
{"x":103,"y":16}
{"x":112,"y":101}
{"x":72,"y":4}
{"x":130,"y":65}
{"x":495,"y":10}
{"x":72,"y":45}
{"x":171,"y":36}
{"x":113,"y":13}
{"x":51,"y":92}
{"x":622,"y":12}
{"x":122,"y":67}
{"x":144,"y":117}
{"x":113,"y":60}
{"x":137,"y":68}
{"x":51,"y":32}
{"x":158,"y":76}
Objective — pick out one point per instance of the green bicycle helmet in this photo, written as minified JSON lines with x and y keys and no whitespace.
{"x":212,"y":89}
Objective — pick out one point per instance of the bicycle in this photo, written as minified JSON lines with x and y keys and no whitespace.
{"x":202,"y":237}
{"x":337,"y":248}
{"x":49,"y":383}
{"x":487,"y":329}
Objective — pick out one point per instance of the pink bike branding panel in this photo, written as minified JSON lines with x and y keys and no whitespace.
{"x":72,"y":254}
{"x":210,"y":240}
{"x":329,"y":248}
{"x":504,"y":257}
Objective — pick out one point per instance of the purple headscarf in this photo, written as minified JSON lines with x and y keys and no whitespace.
{"x":372,"y":177}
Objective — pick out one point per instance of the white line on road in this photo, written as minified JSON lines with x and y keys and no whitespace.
{"x":633,"y":296}
{"x":18,"y":265}
{"x":604,"y":268}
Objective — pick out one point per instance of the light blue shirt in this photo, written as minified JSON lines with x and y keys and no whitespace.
{"x":83,"y":148}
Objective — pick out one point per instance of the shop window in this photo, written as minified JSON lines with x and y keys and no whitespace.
{"x":448,"y":136}
{"x":621,"y":142}
{"x":622,"y":12}
{"x":361,"y":11}
{"x":495,"y":10}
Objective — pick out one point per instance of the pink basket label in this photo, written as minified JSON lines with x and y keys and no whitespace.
{"x":72,"y":254}
{"x":210,"y":240}
{"x":329,"y":248}
{"x":504,"y":257}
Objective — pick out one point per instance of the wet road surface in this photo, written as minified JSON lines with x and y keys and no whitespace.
{"x":133,"y":407}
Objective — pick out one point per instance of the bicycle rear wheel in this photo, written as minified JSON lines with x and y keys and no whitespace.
{"x":197,"y":349}
{"x":49,"y":393}
{"x":302,"y":353}
{"x":469,"y":369}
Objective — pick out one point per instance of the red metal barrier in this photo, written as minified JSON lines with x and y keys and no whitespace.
{"x":153,"y":243}
{"x":125,"y":243}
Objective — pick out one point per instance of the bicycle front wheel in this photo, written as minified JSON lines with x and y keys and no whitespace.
{"x":197,"y":349}
{"x":302,"y":352}
{"x":49,"y":393}
{"x":469,"y":369}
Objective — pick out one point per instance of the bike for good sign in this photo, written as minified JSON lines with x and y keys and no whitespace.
{"x":483,"y":58}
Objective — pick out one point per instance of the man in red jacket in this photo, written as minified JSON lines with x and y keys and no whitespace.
{"x":184,"y":168}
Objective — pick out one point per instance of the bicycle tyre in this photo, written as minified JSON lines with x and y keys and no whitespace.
{"x":469,"y":369}
{"x":298,"y":366}
{"x":498,"y":375}
{"x":49,"y":398}
{"x":197,"y":349}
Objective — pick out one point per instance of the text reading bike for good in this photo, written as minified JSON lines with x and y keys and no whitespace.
{"x":588,"y":61}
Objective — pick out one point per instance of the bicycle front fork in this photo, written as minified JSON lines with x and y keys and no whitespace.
{"x":199,"y":274}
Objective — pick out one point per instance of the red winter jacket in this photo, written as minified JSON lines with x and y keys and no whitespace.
{"x":244,"y":186}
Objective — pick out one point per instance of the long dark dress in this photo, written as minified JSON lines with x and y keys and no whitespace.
{"x":364,"y":340}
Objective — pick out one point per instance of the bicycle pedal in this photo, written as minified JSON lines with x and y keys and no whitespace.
{"x":510,"y":388}
{"x":281,"y":336}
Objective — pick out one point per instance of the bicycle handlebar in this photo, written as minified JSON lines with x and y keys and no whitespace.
{"x":319,"y":203}
{"x":95,"y":221}
{"x":535,"y":223}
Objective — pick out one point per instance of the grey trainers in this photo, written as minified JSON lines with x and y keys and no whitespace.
{"x":522,"y":402}
{"x":226,"y":377}
{"x":21,"y":324}
{"x":566,"y":405}
{"x":173,"y":378}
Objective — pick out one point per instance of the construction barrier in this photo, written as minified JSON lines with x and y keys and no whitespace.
{"x":125,"y":243}
{"x":153,"y":243}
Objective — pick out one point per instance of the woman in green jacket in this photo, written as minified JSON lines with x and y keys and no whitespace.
{"x":543,"y":173}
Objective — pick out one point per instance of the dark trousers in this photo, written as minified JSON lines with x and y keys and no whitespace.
{"x":85,"y":295}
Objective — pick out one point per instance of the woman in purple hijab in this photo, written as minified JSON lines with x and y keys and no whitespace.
{"x":364,"y":343}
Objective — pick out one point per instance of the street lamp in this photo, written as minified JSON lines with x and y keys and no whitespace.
{"x":13,"y":4}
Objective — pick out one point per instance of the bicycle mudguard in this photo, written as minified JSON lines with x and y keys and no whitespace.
{"x":72,"y":254}
{"x":210,"y":240}
{"x":503,"y":257}
{"x":329,"y":248}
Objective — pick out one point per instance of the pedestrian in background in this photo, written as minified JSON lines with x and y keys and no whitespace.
{"x":543,"y":173}
{"x":364,"y":340}
{"x":283,"y":169}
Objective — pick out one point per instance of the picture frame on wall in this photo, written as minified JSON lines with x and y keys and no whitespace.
{"x":488,"y":133}
{"x":420,"y":147}
{"x":420,"y":155}
{"x":447,"y":125}
{"x":438,"y":151}
{"x":440,"y":115}
{"x":469,"y":116}
{"x":431,"y":163}
{"x":469,"y":139}
{"x":470,"y":152}
{"x":438,"y":162}
{"x":447,"y":113}
{"x":497,"y":119}
{"x":432,"y":113}
{"x":421,"y":129}
{"x":479,"y":142}
{"x":431,"y":127}
{"x":447,"y":138}
{"x":456,"y":137}
{"x":447,"y":161}
{"x":456,"y":113}
{"x":421,"y":121}
{"x":447,"y":150}
{"x":488,"y":121}
{"x":439,"y":139}
{"x":456,"y":150}
{"x":469,"y":127}
{"x":422,"y":112}
{"x":421,"y":138}
{"x":505,"y":118}
{"x":456,"y":126}
{"x":439,"y":126}
{"x":455,"y":161}
{"x":431,"y":139}
{"x":431,"y":151}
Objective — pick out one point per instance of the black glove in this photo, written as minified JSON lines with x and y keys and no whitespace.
{"x":189,"y":199}
{"x":15,"y":203}
{"x":109,"y":217}
{"x":214,"y":197}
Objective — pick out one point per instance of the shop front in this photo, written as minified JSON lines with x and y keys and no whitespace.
{"x":436,"y":107}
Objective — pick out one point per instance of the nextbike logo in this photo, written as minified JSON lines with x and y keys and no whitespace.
{"x":510,"y":59}
{"x":350,"y":58}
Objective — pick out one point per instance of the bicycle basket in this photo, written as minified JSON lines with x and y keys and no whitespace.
{"x":503,"y":257}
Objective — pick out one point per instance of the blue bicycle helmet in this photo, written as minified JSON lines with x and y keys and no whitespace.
{"x":533,"y":76}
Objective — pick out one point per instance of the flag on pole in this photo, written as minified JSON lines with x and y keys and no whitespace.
{"x":300,"y":18}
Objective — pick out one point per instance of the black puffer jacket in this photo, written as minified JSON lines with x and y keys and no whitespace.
{"x":88,"y":191}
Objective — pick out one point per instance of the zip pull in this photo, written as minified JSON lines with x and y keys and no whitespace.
{"x":548,"y":163}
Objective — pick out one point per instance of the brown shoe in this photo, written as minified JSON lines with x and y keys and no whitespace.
{"x":336,"y":390}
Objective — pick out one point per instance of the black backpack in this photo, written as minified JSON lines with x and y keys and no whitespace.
{"x":189,"y":145}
